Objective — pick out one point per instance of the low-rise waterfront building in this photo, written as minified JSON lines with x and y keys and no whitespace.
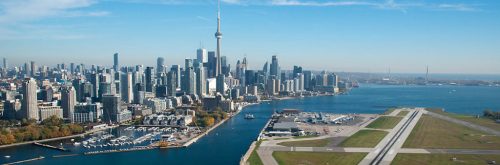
{"x":87,"y":113}
{"x":47,"y":111}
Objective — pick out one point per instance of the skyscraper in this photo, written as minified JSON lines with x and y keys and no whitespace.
{"x":115,"y":64}
{"x":111,"y":107}
{"x":211,"y":65}
{"x":5,"y":65}
{"x":250,"y":77}
{"x":29,"y":105}
{"x":150,"y":79}
{"x":176,"y":69}
{"x":33,"y":69}
{"x":201,"y":79}
{"x":139,"y":93}
{"x":241,"y":69}
{"x":220,"y":84}
{"x":225,"y":67}
{"x":94,"y":80}
{"x":307,"y":80}
{"x":126,"y":88}
{"x":202,"y":55}
{"x":72,"y":68}
{"x":271,"y":86}
{"x":78,"y":84}
{"x":189,"y":85}
{"x":275,"y":68}
{"x":296,"y":70}
{"x":333,"y":80}
{"x":265,"y":68}
{"x":160,"y":66}
{"x":171,"y":83}
{"x":27,"y":69}
{"x":68,"y":101}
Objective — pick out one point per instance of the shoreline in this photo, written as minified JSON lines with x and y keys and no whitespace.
{"x":115,"y":126}
{"x":195,"y":139}
{"x":251,"y":148}
{"x":57,"y":138}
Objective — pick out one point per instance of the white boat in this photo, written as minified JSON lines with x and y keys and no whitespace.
{"x":77,"y":143}
{"x":6,"y":156}
{"x":249,"y":116}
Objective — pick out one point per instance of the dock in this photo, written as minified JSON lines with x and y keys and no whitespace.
{"x":51,"y":147}
{"x":118,"y":150}
{"x":68,"y":155}
{"x":25,"y":161}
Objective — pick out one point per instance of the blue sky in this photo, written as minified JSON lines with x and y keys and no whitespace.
{"x":453,"y":36}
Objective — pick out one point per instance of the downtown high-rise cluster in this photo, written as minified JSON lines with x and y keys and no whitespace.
{"x":81,"y":93}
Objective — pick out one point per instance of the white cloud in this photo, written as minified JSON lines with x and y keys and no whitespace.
{"x":85,"y":14}
{"x":16,"y":17}
{"x":232,"y":1}
{"x":14,"y":11}
{"x":203,"y":18}
{"x":378,"y":4}
{"x":457,"y":7}
{"x":315,"y":3}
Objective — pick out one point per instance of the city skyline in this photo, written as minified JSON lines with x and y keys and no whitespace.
{"x":258,"y":30}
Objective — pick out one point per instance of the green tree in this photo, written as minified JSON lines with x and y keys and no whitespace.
{"x":52,"y":121}
{"x":27,"y":122}
{"x":65,"y":131}
{"x":75,"y":128}
{"x":488,"y":113}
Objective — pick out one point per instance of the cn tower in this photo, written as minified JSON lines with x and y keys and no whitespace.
{"x":218,"y":35}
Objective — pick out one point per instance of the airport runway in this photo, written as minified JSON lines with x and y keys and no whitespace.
{"x":387,"y":149}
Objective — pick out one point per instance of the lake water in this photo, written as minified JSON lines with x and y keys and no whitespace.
{"x":226,"y":144}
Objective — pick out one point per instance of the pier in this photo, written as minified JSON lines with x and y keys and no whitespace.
{"x":51,"y":147}
{"x":68,"y":155}
{"x":25,"y":161}
{"x":118,"y":150}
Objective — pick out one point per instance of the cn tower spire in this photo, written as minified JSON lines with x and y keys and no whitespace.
{"x":218,"y":36}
